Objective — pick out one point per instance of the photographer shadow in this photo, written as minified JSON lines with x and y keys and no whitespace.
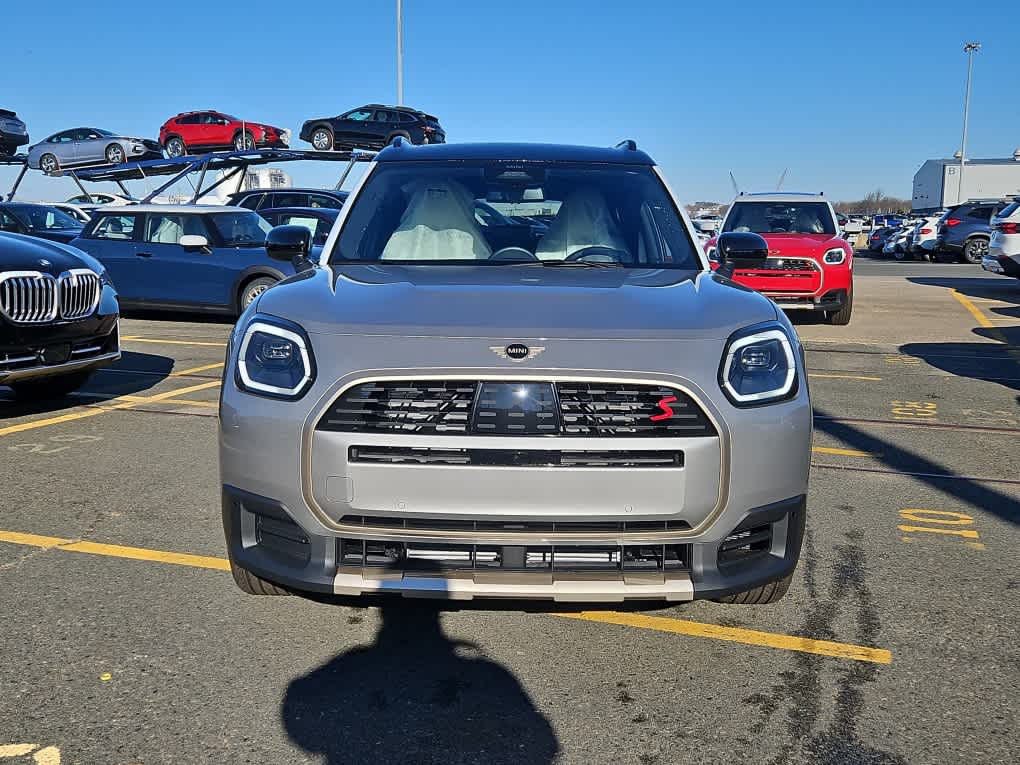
{"x":415,"y":696}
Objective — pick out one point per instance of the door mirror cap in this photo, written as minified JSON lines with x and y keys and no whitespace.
{"x":742,"y":248}
{"x":193,"y":242}
{"x":291,"y":244}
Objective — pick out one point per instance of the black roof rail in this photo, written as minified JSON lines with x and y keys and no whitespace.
{"x":628,"y":144}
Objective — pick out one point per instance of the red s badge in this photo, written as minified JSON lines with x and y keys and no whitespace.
{"x":667,"y":410}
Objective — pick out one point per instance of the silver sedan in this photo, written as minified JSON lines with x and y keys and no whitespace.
{"x":88,"y":146}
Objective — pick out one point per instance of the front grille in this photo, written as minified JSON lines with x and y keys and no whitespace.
{"x":514,"y":527}
{"x":549,"y":559}
{"x":787,"y":264}
{"x":31,"y":297}
{"x":399,"y":455}
{"x":79,"y":293}
{"x":28,"y":297}
{"x":508,"y":408}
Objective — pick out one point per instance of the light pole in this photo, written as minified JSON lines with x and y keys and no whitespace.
{"x":400,"y":53}
{"x":970,"y":49}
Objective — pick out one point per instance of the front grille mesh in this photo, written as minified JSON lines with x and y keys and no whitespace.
{"x":450,"y":407}
{"x":79,"y":293}
{"x":32,"y":297}
{"x":29,"y":298}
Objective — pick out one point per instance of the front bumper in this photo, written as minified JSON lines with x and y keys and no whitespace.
{"x":263,"y":537}
{"x":58,"y":350}
{"x":833,"y":300}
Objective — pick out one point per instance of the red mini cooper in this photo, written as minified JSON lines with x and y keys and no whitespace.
{"x":810,"y":267}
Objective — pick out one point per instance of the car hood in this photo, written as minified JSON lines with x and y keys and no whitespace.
{"x":517,"y":302}
{"x":801,"y":244}
{"x":28,"y":253}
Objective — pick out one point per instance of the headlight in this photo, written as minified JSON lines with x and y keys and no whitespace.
{"x":759,"y":367}
{"x":275,"y":360}
{"x":835,"y":256}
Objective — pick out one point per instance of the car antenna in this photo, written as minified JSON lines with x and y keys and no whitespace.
{"x":736,"y":189}
{"x":782,"y":179}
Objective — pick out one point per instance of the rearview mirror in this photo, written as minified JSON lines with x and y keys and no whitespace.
{"x":290,"y":244}
{"x":194,"y":242}
{"x":740,"y":249}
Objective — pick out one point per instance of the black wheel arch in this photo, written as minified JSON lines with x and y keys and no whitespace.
{"x":250,"y":274}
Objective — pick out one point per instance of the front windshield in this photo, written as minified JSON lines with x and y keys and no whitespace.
{"x":781,"y":218}
{"x":44,"y":218}
{"x":434,"y":213}
{"x":241,"y":229}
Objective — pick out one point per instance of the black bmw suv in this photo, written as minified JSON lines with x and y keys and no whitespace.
{"x":372,"y":127}
{"x":58,"y":317}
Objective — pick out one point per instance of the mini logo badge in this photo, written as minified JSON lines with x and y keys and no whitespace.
{"x":517,"y":351}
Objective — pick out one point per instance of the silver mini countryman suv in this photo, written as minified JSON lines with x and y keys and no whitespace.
{"x":558,"y":402}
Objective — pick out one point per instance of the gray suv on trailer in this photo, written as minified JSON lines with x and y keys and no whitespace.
{"x":439,"y":409}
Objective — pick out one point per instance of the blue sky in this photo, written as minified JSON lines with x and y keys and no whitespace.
{"x":848,"y":96}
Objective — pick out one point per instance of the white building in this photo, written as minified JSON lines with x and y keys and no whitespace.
{"x":937,"y":182}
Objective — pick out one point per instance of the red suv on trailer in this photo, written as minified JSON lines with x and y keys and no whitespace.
{"x":809,"y":267}
{"x":189,"y":132}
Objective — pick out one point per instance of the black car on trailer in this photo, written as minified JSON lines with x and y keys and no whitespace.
{"x":58,"y":317}
{"x":372,"y":126}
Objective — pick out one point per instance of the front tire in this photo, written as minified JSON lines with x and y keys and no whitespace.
{"x":175,"y":147}
{"x":115,"y":154}
{"x":322,"y":139}
{"x":842,"y":316}
{"x":48,"y":164}
{"x":48,"y":388}
{"x":767,"y":593}
{"x":975,"y":249}
{"x":252,"y":584}
{"x":244,"y":141}
{"x":254,"y":288}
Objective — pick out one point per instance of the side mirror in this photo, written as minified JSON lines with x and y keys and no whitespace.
{"x":194,"y":242}
{"x":291,"y":244}
{"x":741,"y":249}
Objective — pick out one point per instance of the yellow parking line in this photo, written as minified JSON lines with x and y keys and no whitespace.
{"x":115,"y":551}
{"x":737,"y":635}
{"x":659,"y":624}
{"x":137,"y":339}
{"x":189,"y":402}
{"x":194,"y":370}
{"x":840,"y":452}
{"x":844,"y":377}
{"x":979,"y":316}
{"x":102,"y":409}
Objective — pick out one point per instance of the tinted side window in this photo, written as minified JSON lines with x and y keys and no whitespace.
{"x":321,"y":200}
{"x":405,"y":117}
{"x":191,"y":119}
{"x":121,"y":227}
{"x":252,"y":201}
{"x":290,"y":199}
{"x":981,"y":213}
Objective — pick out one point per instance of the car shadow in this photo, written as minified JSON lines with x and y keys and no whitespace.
{"x":415,"y":696}
{"x":203,"y":317}
{"x":134,"y":373}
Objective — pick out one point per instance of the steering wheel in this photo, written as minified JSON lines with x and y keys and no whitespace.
{"x":599,"y":253}
{"x":513,"y":253}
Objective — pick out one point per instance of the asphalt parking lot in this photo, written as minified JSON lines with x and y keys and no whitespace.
{"x":125,"y":640}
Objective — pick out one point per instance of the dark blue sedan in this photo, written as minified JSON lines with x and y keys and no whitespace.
{"x":183,"y":257}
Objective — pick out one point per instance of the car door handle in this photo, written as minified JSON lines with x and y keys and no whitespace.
{"x":143,"y":254}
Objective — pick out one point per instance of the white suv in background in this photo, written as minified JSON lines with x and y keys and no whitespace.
{"x":1003,"y":256}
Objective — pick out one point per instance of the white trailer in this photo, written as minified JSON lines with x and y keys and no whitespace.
{"x":937,"y":182}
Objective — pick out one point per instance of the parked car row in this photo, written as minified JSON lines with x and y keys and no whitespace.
{"x":368,"y":127}
{"x":1003,"y":256}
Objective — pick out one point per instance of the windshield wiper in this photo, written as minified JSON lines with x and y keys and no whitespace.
{"x":564,"y":263}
